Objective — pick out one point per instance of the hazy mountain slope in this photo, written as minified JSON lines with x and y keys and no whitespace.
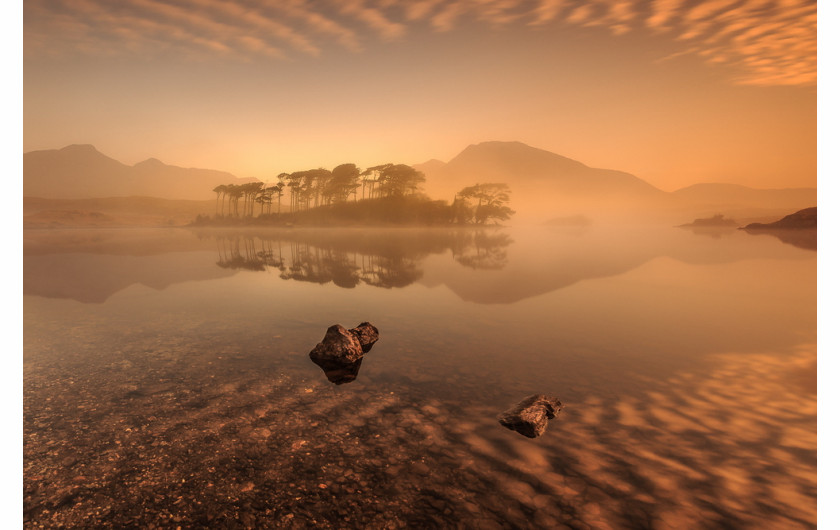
{"x":429,"y":166}
{"x":80,"y":171}
{"x":515,"y":161}
{"x":726,"y":195}
{"x":112,"y":211}
{"x":545,"y":185}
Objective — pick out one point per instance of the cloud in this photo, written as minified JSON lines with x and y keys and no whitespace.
{"x":372,"y":16}
{"x":547,"y":10}
{"x":766,"y":41}
{"x":663,"y":11}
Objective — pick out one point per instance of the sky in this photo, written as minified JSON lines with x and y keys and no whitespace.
{"x":674,"y":91}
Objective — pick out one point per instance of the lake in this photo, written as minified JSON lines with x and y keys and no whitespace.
{"x":167,"y":381}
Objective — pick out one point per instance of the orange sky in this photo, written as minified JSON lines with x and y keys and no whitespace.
{"x":673,"y":91}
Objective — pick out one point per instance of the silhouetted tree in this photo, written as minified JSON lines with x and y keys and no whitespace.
{"x":235,"y":192}
{"x":343,"y":182}
{"x":318,"y":180}
{"x":371,"y":178}
{"x":220,"y":190}
{"x":266,"y":197}
{"x":293,"y":181}
{"x":399,"y":180}
{"x":485,"y":202}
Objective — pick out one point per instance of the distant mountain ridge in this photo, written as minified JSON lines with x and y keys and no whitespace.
{"x":548,"y":185}
{"x":81,"y":172}
{"x":516,"y":161}
{"x":544,"y":185}
{"x":717,"y":194}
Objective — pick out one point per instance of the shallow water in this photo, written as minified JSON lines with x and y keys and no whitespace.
{"x":167,"y":381}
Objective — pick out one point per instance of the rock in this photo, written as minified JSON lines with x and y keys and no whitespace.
{"x":530,"y":416}
{"x":339,"y":346}
{"x":340,"y":353}
{"x":367,"y":335}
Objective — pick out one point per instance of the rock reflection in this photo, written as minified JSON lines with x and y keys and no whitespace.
{"x":338,"y":372}
{"x":384,"y":259}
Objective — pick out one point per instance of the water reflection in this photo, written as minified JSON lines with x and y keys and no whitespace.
{"x":690,"y":396}
{"x":339,"y":372}
{"x":714,"y":232}
{"x":482,"y":266}
{"x":485,"y":251}
{"x":803,"y":238}
{"x":388,"y":260}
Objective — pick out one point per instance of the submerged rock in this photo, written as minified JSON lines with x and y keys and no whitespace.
{"x":530,"y":416}
{"x":340,"y":353}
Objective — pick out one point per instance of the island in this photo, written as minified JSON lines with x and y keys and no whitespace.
{"x":715,"y":221}
{"x":805,"y":219}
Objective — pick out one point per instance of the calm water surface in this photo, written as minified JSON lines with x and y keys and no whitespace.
{"x":167,"y":380}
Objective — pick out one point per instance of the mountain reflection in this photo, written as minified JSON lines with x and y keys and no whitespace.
{"x":484,"y":251}
{"x":384,"y":259}
{"x":481,"y":266}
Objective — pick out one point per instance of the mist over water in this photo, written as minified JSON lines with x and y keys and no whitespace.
{"x":167,"y":381}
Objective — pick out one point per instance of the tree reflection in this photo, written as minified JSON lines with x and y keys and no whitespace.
{"x":388,"y":259}
{"x":484,"y":250}
{"x":238,"y":252}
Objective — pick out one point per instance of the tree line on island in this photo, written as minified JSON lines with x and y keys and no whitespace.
{"x":389,"y":193}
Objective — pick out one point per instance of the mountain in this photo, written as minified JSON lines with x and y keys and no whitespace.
{"x":546,"y":185}
{"x":718,"y":195}
{"x":542,"y":183}
{"x":520,"y":164}
{"x":80,"y":172}
{"x":429,"y":166}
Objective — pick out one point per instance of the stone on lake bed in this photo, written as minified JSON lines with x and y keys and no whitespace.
{"x":338,"y":345}
{"x":530,"y":416}
{"x":340,"y":353}
{"x":367,"y":335}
